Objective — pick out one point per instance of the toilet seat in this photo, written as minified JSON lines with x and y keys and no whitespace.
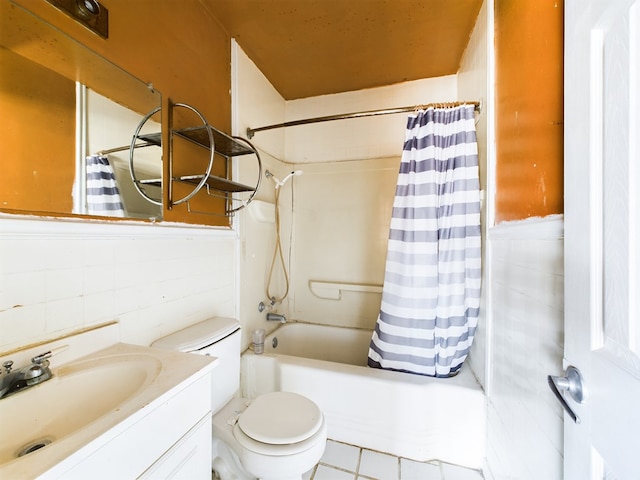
{"x":283,"y":450}
{"x":279,"y":424}
{"x":281,"y":418}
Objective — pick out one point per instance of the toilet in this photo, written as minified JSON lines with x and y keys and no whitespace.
{"x":276,"y":436}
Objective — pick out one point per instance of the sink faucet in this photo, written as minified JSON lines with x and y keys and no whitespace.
{"x":25,"y":377}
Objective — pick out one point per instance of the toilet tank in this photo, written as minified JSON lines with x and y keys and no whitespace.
{"x":217,"y":337}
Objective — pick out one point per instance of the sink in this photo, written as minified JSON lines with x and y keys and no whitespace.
{"x":78,"y":395}
{"x":105,"y":401}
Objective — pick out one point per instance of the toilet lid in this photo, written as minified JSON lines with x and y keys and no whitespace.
{"x":280,"y":418}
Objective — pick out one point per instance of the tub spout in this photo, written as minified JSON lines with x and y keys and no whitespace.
{"x":276,"y":317}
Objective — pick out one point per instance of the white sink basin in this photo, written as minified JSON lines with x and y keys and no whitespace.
{"x":77,"y":395}
{"x":87,"y":402}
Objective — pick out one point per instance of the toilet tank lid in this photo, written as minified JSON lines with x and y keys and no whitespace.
{"x":199,"y":335}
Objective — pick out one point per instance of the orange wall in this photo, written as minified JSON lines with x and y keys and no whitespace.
{"x":529,"y":102}
{"x":38,"y":120}
{"x":173,"y":44}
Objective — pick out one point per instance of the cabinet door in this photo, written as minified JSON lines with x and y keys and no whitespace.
{"x":189,"y":458}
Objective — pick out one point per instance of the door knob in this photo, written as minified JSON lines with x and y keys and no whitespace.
{"x":571,"y":383}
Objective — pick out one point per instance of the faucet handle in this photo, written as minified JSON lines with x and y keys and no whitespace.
{"x":42,"y":359}
{"x":7,"y":365}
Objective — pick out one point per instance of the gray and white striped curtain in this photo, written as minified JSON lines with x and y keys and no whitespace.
{"x":103,"y":195}
{"x":431,"y":291}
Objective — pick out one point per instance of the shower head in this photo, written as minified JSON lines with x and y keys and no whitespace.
{"x":280,"y":183}
{"x":292,"y":174}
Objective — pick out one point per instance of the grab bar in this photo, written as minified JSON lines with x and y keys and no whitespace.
{"x":333,"y":290}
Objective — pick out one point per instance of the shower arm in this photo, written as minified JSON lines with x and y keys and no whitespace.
{"x":280,"y":183}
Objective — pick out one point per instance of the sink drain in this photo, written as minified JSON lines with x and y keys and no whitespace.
{"x":33,"y":446}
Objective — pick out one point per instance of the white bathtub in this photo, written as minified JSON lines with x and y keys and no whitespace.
{"x":406,"y":415}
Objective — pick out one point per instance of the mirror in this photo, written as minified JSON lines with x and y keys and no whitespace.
{"x":69,"y":119}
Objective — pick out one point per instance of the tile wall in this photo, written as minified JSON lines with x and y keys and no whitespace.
{"x":60,"y":276}
{"x":525,"y":421}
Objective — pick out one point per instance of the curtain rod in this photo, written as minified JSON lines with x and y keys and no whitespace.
{"x":370,"y":113}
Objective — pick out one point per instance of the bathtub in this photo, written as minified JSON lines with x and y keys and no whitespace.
{"x":410,"y":416}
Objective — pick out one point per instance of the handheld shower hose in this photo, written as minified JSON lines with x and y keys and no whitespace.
{"x":277,"y":252}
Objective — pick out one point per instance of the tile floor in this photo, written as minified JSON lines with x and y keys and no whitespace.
{"x":347,"y":462}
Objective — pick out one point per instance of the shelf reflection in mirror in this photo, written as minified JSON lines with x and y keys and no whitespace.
{"x":110,"y":128}
{"x":52,"y":122}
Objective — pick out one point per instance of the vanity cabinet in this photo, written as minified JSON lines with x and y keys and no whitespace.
{"x":189,"y":458}
{"x":171,"y":440}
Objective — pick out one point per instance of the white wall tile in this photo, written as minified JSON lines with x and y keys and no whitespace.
{"x":22,"y":324}
{"x":23,"y":288}
{"x":62,"y":315}
{"x":525,"y":423}
{"x":152,"y":279}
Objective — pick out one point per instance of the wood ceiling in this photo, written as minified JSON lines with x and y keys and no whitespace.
{"x":307,"y":48}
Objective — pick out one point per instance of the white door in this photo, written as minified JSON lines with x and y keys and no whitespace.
{"x":602,"y":236}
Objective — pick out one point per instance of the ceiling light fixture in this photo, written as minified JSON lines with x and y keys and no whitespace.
{"x":88,"y":7}
{"x":89,"y":13}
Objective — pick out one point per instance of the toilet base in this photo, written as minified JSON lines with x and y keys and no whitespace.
{"x":226,"y":464}
{"x":236,"y":462}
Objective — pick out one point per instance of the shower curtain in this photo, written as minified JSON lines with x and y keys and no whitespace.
{"x":103,"y":196}
{"x":431,"y":290}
